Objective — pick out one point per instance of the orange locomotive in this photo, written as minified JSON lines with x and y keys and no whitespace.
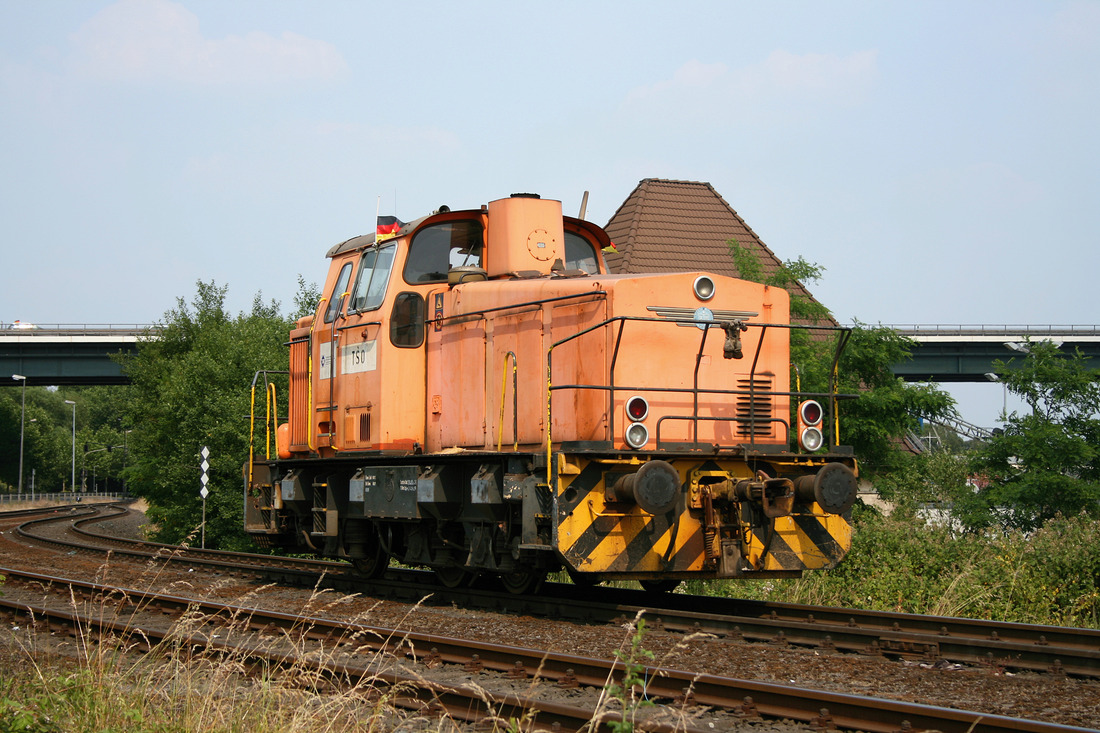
{"x":476,"y":394}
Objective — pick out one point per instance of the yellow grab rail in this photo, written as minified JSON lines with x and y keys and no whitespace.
{"x":515,"y":401}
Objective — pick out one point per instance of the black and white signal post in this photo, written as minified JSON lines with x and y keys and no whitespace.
{"x":204,"y":492}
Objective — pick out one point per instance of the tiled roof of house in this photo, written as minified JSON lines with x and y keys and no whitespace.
{"x":682,"y":226}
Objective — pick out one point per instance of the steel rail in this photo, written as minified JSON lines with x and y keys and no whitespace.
{"x":57,"y":509}
{"x":1000,"y":644}
{"x":1012,"y":645}
{"x":768,"y":699}
{"x":468,"y":703}
{"x":144,"y":549}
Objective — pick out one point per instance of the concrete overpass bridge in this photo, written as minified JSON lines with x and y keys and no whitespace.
{"x":966,"y":353}
{"x":68,"y":354}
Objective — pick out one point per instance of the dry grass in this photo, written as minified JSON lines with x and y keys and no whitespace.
{"x":92,"y":681}
{"x":101,"y":681}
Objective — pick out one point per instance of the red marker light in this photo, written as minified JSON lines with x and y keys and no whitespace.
{"x":637,"y":408}
{"x":810,"y":412}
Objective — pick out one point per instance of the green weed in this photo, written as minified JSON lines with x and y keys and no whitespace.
{"x":905,"y":564}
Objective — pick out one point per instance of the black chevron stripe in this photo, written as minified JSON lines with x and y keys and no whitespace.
{"x":777,"y":548}
{"x":819,"y":535}
{"x":643,"y":542}
{"x":588,"y":478}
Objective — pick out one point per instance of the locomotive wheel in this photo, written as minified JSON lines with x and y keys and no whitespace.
{"x":523,"y":582}
{"x":373,"y":565}
{"x":375,"y":560}
{"x":666,"y":585}
{"x":583,"y":580}
{"x":453,"y":577}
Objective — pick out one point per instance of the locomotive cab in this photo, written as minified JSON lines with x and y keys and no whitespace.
{"x":478,"y":395}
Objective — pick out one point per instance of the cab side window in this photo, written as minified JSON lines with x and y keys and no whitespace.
{"x":580,"y":254}
{"x":436,"y":249}
{"x":407,"y":320}
{"x":374,"y":275}
{"x":336,"y":297}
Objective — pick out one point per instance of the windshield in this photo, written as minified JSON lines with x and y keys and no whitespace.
{"x":436,"y":249}
{"x":374,"y":275}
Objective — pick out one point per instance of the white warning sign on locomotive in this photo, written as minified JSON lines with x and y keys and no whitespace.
{"x":361,"y":357}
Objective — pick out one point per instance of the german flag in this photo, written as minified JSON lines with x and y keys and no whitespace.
{"x":388,"y":226}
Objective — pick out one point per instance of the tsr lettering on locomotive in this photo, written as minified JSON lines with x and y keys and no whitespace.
{"x":478,"y":395}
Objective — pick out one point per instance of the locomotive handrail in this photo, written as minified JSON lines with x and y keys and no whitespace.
{"x":358,"y":325}
{"x":834,"y":377}
{"x":831,"y":397}
{"x":514,"y":306}
{"x":271,"y":419}
{"x":270,"y":404}
{"x":752,"y":393}
{"x":515,"y":400}
{"x":332,"y":351}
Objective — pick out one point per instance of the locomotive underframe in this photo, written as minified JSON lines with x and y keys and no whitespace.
{"x":470,"y":513}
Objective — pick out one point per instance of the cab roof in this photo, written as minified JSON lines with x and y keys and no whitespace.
{"x":366,"y":240}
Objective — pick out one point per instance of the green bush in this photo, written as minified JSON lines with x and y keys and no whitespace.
{"x":1061,"y":572}
{"x":906,"y":564}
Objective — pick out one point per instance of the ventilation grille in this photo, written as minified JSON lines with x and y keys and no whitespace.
{"x":755,"y":411}
{"x":299,"y":393}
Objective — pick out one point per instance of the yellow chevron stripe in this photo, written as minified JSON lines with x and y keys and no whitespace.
{"x":594,"y":539}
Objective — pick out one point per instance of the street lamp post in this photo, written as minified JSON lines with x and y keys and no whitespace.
{"x":125,"y":457}
{"x":33,"y":420}
{"x":22,"y":425}
{"x":72,"y":486}
{"x":1004,"y":389}
{"x":95,"y":469}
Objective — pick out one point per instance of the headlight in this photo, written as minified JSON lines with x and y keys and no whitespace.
{"x":637,"y":435}
{"x":811,"y":439}
{"x":703,"y":287}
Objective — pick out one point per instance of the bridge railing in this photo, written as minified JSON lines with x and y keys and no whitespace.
{"x":67,"y":497}
{"x":74,"y":329}
{"x":978,"y":329}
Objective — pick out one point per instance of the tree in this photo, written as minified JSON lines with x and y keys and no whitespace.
{"x":152,"y":431}
{"x":787,"y":275}
{"x":885,"y":407}
{"x":306,"y":299}
{"x":47,"y":438}
{"x":191,"y":389}
{"x":936,"y":478}
{"x":10,"y":420}
{"x":1046,"y":462}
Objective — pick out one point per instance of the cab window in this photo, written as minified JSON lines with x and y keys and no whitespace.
{"x":374,"y":274}
{"x":437,"y":248}
{"x":337,"y":294}
{"x":407,"y":320}
{"x":580,"y":254}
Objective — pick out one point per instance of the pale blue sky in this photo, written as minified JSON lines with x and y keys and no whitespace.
{"x":939,"y":159}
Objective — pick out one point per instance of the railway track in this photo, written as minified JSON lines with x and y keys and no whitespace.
{"x":504,"y":675}
{"x":996,"y":644}
{"x":613,"y":606}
